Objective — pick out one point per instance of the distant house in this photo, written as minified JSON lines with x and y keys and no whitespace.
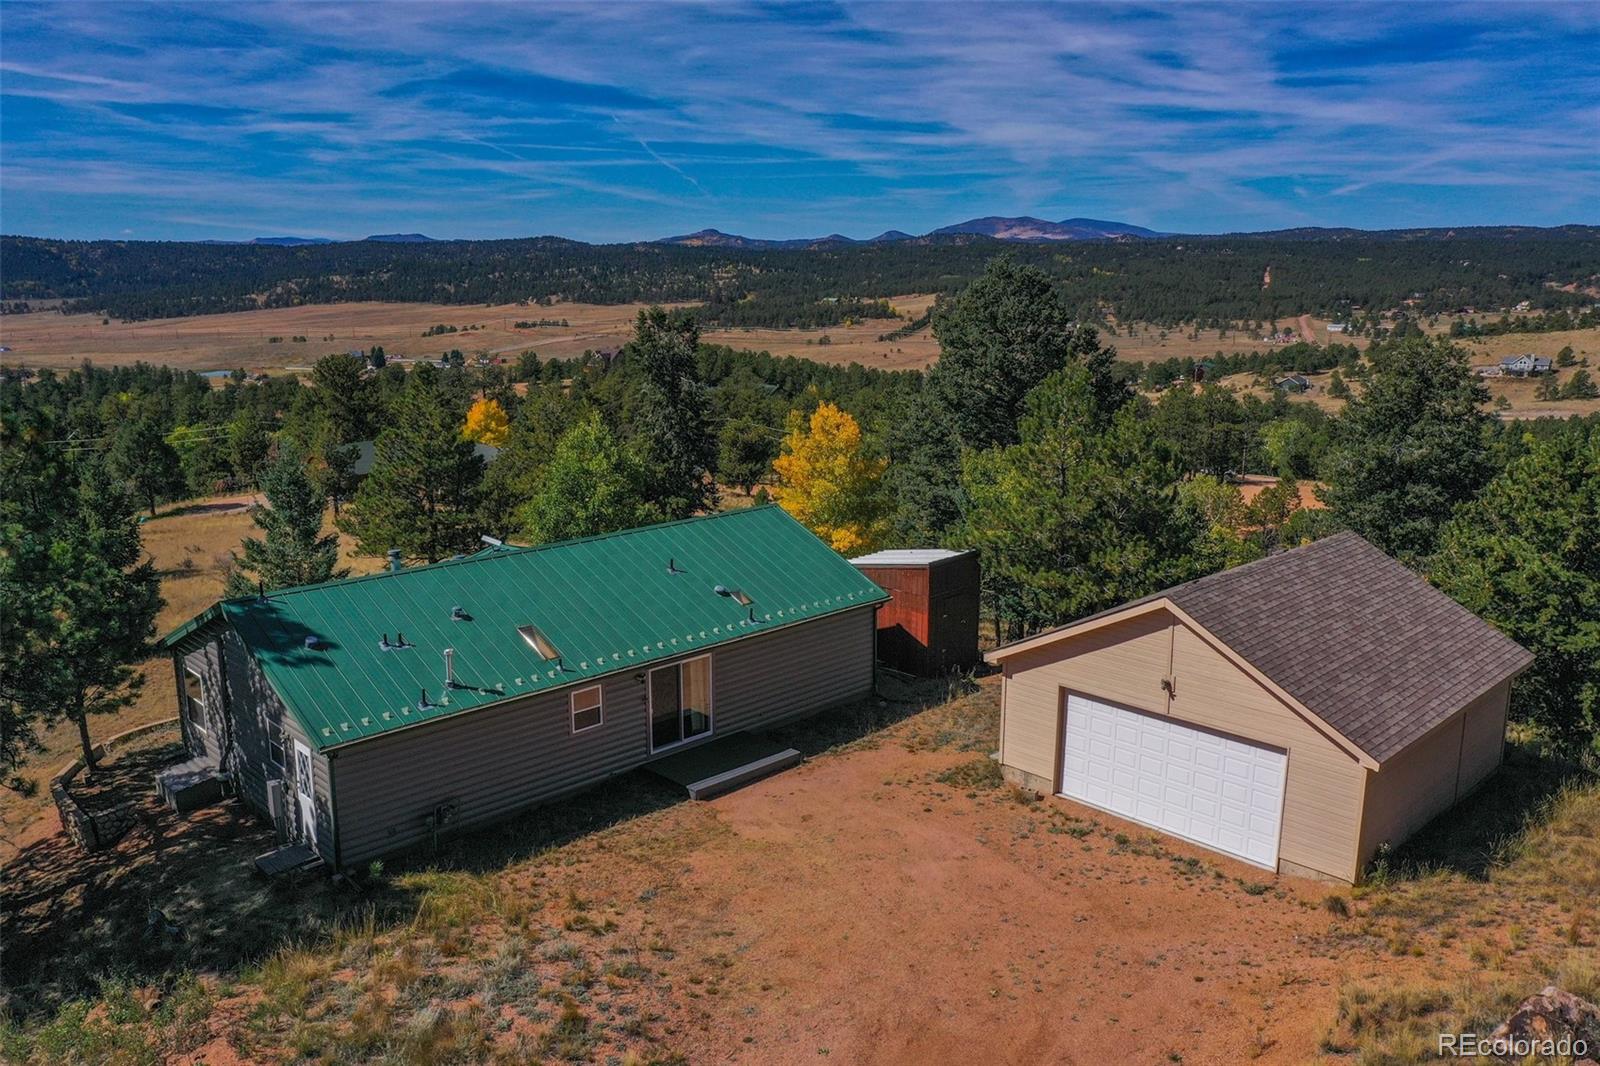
{"x":1336,"y":327}
{"x":1292,"y":383}
{"x":369,"y":715}
{"x":1526,"y":365}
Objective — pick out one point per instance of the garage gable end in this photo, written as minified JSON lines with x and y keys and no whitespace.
{"x":1137,"y":645}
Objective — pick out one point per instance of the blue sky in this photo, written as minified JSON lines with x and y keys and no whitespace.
{"x":611,"y":121}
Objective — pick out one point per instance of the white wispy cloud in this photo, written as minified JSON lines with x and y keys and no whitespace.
{"x":620,"y":120}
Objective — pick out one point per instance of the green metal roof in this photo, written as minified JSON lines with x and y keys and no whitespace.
{"x":607,"y":603}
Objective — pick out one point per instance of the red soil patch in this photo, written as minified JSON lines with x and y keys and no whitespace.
{"x":861,"y":907}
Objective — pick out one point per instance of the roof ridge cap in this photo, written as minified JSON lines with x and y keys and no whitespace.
{"x":482,"y":557}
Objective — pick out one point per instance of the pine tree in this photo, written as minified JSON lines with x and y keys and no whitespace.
{"x":1410,"y":449}
{"x":423,"y":492}
{"x":1003,"y":335}
{"x":681,"y":449}
{"x":293,"y":550}
{"x":332,"y":469}
{"x":1081,"y":514}
{"x":1526,"y":556}
{"x":344,"y":393}
{"x":79,"y":601}
{"x":141,"y":456}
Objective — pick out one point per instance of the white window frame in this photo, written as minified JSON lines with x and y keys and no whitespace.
{"x":711,"y":702}
{"x":269,"y":728}
{"x":572,"y":708}
{"x":190,"y":704}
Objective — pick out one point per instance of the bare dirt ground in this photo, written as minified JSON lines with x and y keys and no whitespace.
{"x":888,"y":901}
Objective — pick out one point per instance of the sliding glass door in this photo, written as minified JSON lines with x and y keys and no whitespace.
{"x":680,"y":702}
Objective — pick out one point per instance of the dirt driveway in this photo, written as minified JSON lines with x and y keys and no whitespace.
{"x":892,"y":905}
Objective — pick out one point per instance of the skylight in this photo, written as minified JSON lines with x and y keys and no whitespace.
{"x":539,"y":642}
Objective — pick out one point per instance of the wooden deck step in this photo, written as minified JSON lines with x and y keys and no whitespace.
{"x":728,"y":780}
{"x":286,"y":859}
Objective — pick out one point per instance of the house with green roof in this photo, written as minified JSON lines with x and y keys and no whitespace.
{"x":363,"y":716}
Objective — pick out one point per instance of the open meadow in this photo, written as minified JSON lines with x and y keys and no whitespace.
{"x":245,"y":338}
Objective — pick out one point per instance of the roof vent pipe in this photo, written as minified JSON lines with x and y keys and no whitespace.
{"x":395,"y":565}
{"x":449,"y":668}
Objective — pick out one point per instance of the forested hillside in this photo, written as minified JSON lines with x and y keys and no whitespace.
{"x":1214,"y":280}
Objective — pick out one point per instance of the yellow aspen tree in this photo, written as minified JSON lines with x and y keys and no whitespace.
{"x":829,"y":484}
{"x":487,"y":423}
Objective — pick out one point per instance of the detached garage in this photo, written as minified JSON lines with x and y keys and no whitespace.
{"x":1295,"y":712}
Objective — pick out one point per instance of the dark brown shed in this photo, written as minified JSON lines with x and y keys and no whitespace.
{"x":930,"y":624}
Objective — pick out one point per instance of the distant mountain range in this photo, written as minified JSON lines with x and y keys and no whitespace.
{"x":300,"y":242}
{"x":1033,"y":230}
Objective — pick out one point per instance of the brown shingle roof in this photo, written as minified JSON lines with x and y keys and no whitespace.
{"x":1370,"y":647}
{"x":1361,"y":641}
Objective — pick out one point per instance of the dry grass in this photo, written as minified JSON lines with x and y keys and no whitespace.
{"x":241,"y":339}
{"x":1513,"y":917}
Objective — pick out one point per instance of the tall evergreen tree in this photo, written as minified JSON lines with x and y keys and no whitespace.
{"x":423,"y":492}
{"x":1002,"y":336}
{"x":331,"y":468}
{"x":79,"y":601}
{"x":681,"y":448}
{"x":1526,"y":556}
{"x":1081,"y":514}
{"x":293,"y":549}
{"x":344,"y":393}
{"x":1410,"y":449}
{"x":141,"y":456}
{"x":924,"y":475}
{"x":248,"y":444}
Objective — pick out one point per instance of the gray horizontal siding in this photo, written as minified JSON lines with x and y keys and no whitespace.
{"x":254,"y":705}
{"x":494,"y":762}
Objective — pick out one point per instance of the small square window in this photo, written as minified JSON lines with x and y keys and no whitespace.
{"x":588,"y":709}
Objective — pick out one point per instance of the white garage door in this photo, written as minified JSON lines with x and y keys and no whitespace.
{"x":1217,"y":791}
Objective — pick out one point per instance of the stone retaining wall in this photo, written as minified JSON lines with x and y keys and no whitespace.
{"x":93,"y":832}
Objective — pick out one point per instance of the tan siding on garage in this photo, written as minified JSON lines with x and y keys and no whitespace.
{"x":1123,"y":662}
{"x":1322,"y":794}
{"x":1126,"y":661}
{"x":1484,"y":737}
{"x":1427,"y":778}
